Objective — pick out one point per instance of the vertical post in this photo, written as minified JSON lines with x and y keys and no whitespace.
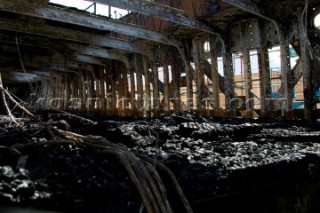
{"x":102,"y":97}
{"x":176,"y":67}
{"x":198,"y":57}
{"x":248,"y":78}
{"x":265,"y":82}
{"x":245,"y":37}
{"x":188,"y":70}
{"x":91,"y":91}
{"x":147,"y":97}
{"x":139,"y":83}
{"x":114,"y":89}
{"x":132,"y":88}
{"x":156,"y":95}
{"x":120,"y":90}
{"x":214,"y":74}
{"x":308,"y":73}
{"x":125,"y":91}
{"x":228,"y":79}
{"x":286,"y":80}
{"x":110,"y":91}
{"x":82,"y":90}
{"x":67,"y":92}
{"x":165,"y":63}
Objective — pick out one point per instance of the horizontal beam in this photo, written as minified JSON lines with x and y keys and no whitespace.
{"x":246,"y":6}
{"x":26,"y":26}
{"x":65,"y":48}
{"x":27,"y":7}
{"x":161,"y":11}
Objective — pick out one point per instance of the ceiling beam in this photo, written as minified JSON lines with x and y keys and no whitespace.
{"x":29,"y":8}
{"x":64,"y":48}
{"x":247,"y":6}
{"x":161,"y":11}
{"x":72,"y":35}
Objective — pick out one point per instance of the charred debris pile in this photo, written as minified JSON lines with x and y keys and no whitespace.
{"x":177,"y":163}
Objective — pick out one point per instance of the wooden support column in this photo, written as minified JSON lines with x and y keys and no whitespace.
{"x":245,"y":37}
{"x":111,"y":91}
{"x":132,"y":86}
{"x":121,"y":92}
{"x":82,"y":91}
{"x":307,"y":72}
{"x":125,"y":91}
{"x":74,"y":92}
{"x":198,"y":57}
{"x":176,"y":67}
{"x":247,"y":79}
{"x":97,"y":92}
{"x":90,"y":92}
{"x":56,"y":100}
{"x":156,"y":95}
{"x":102,"y":92}
{"x":286,"y":79}
{"x":266,"y":101}
{"x":147,"y":97}
{"x":67,"y":93}
{"x":228,"y":79}
{"x":138,"y":69}
{"x":188,"y":70}
{"x":165,"y":64}
{"x":215,"y":100}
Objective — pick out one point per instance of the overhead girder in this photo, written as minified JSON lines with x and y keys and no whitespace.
{"x":72,"y":35}
{"x":246,"y":6}
{"x":54,"y":46}
{"x":253,"y":9}
{"x":30,"y":8}
{"x":161,"y":11}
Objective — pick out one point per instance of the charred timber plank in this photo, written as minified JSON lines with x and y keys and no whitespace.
{"x":72,"y":35}
{"x":138,"y":69}
{"x":265,"y":81}
{"x":58,"y":46}
{"x":98,"y":52}
{"x":286,"y":76}
{"x":147,"y":77}
{"x":309,"y":75}
{"x":246,"y":6}
{"x":214,"y":73}
{"x":198,"y":56}
{"x":176,"y":67}
{"x":88,"y":59}
{"x":165,"y":63}
{"x":64,"y":16}
{"x":161,"y":11}
{"x":155,"y":89}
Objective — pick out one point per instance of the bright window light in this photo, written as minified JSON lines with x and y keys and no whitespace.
{"x":101,"y":9}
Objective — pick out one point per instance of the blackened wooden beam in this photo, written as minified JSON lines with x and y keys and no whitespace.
{"x":138,"y":70}
{"x":228,"y":79}
{"x":198,"y":57}
{"x":248,"y":6}
{"x":286,"y":77}
{"x":214,"y":73}
{"x":165,"y":64}
{"x":308,"y":72}
{"x":147,"y":97}
{"x":266,"y":103}
{"x":81,"y":19}
{"x":43,"y":29}
{"x":161,"y":11}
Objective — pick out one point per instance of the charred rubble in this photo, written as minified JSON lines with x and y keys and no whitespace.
{"x":221,"y":164}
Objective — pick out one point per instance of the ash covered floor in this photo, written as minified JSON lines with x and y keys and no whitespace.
{"x":221,"y":165}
